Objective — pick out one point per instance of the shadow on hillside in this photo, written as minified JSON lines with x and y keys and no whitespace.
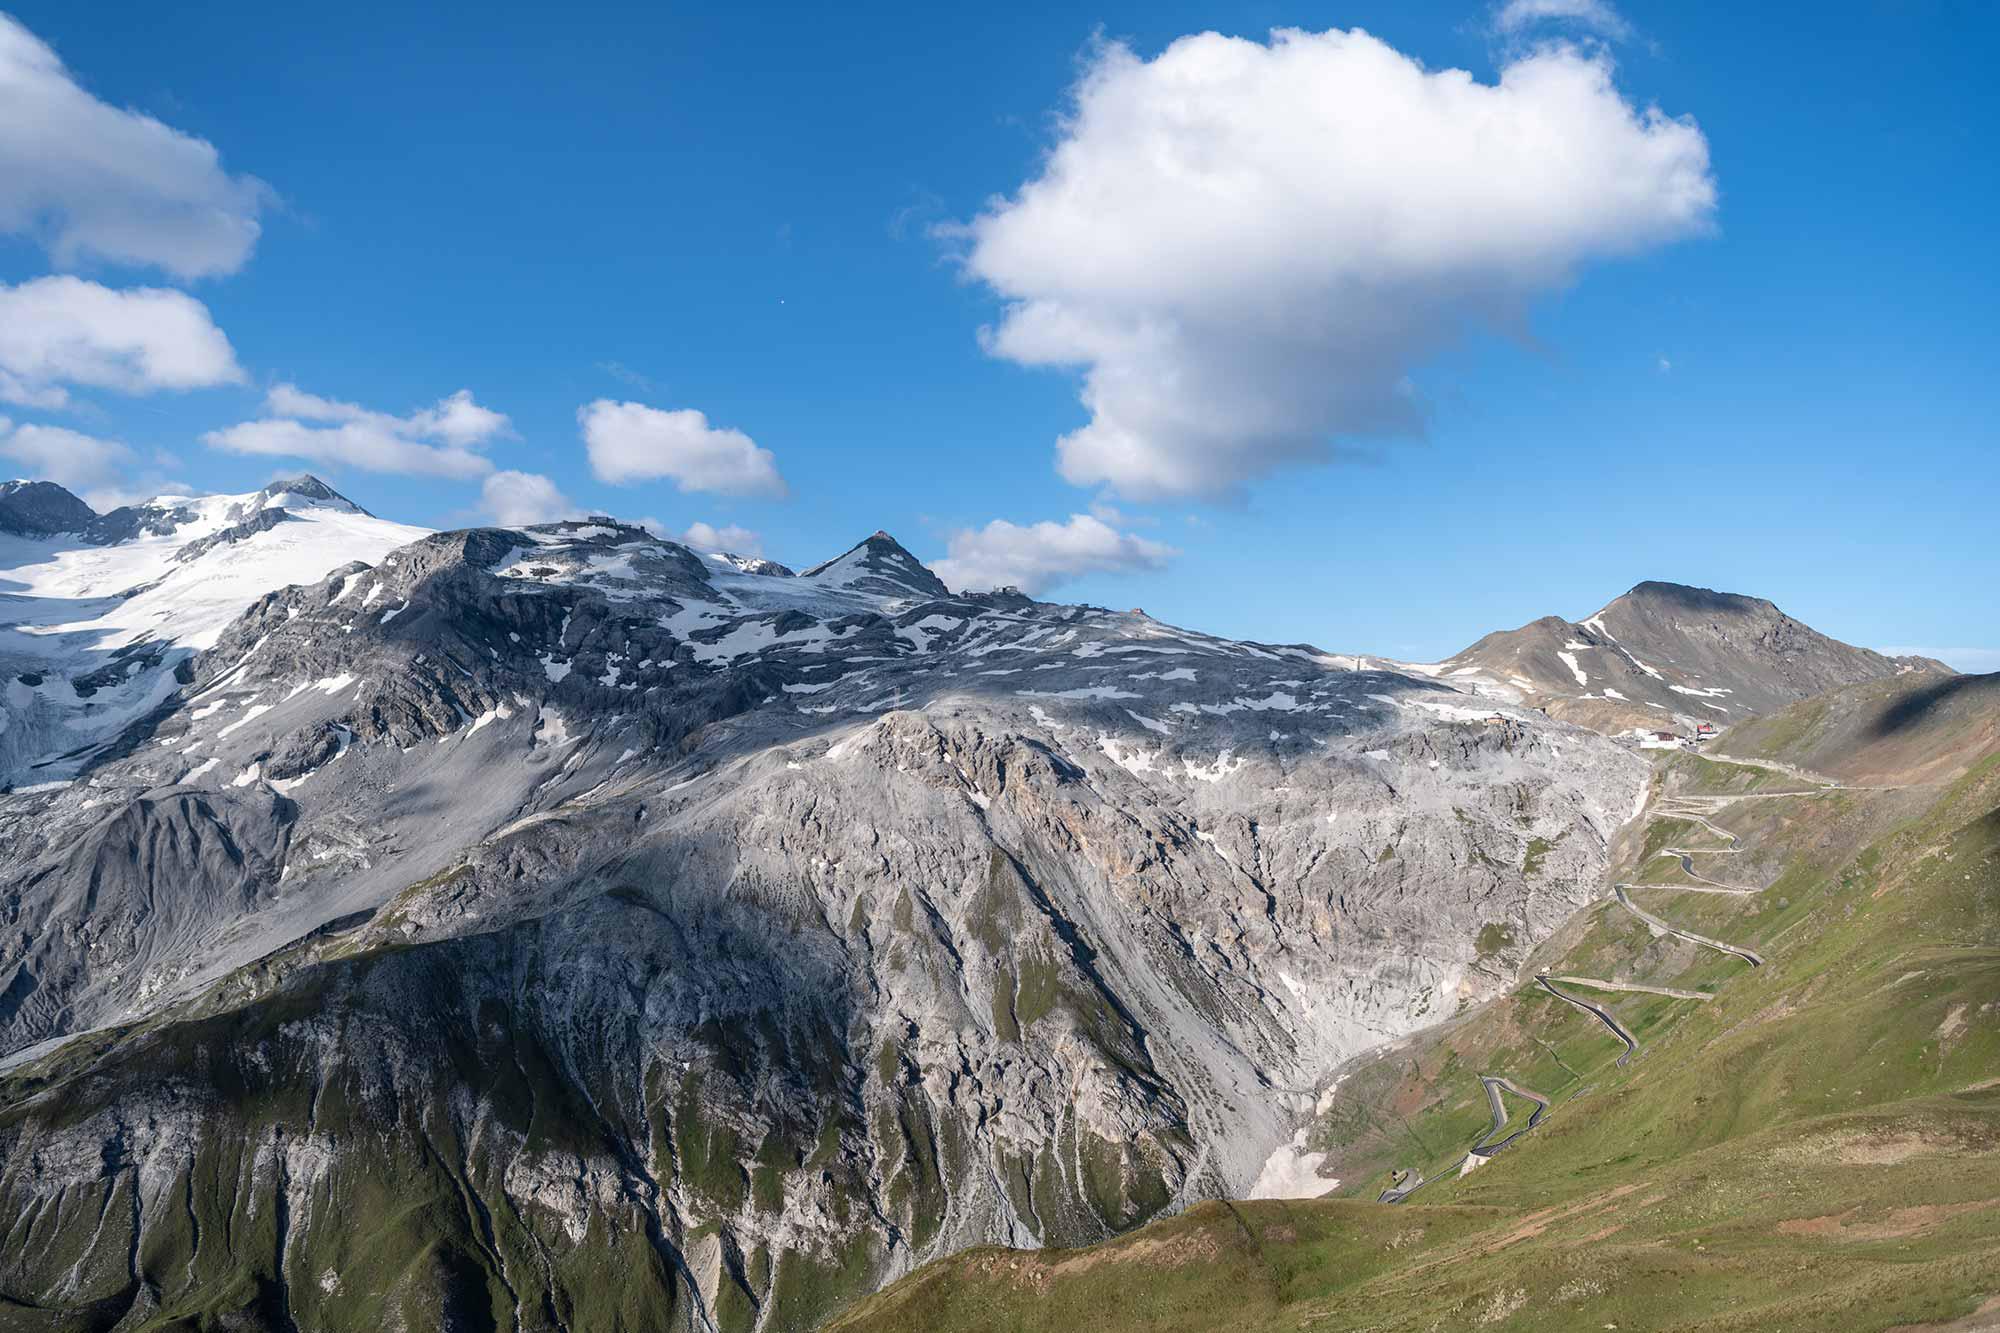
{"x":1913,"y":708}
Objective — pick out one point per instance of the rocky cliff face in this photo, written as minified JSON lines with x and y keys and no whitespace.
{"x":561,"y":928}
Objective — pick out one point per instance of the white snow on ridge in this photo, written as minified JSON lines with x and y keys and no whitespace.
{"x":1083,"y":692}
{"x":1569,"y":660}
{"x":74,"y":604}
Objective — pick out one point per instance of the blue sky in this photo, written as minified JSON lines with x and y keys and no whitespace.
{"x":1785,"y":387}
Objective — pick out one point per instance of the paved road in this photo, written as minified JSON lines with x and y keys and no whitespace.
{"x":1770,"y":765}
{"x":1602,"y":1014}
{"x":1705,"y":886}
{"x":1669,"y":991}
{"x":1755,"y":960}
{"x":1493,"y":1084}
{"x":1410,"y":1183}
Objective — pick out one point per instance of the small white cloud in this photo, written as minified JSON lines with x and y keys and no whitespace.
{"x":1972,"y":661}
{"x":1597,"y":16}
{"x":1040,"y":555}
{"x":94,"y":469}
{"x":1248,"y":248}
{"x":438,"y":441}
{"x":630,"y":442}
{"x":729,"y":538}
{"x":87,"y":180}
{"x":517,"y":499}
{"x":61,"y":332}
{"x":1666,"y":366}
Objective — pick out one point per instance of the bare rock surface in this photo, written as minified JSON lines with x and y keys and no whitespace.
{"x":563,"y":928}
{"x":1667,"y":657}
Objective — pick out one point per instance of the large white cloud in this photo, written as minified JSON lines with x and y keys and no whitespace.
{"x":439,"y":441}
{"x":87,"y":180}
{"x":630,"y":442}
{"x":58,"y":332}
{"x":516,"y":499}
{"x":1248,"y":248}
{"x":1041,"y":555}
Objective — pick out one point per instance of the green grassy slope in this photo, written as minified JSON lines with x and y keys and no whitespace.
{"x":1817,"y":1146}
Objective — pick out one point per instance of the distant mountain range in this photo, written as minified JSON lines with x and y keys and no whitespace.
{"x":562,"y":928}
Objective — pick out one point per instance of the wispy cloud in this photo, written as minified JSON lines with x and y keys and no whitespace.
{"x":443,"y":440}
{"x":624,"y":374}
{"x":1596,"y":16}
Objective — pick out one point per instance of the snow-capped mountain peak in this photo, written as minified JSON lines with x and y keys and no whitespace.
{"x":103,"y":607}
{"x":880,"y":565}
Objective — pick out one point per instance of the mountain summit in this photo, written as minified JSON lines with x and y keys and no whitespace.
{"x":879,"y":564}
{"x":41,"y":509}
{"x":1667,"y":656}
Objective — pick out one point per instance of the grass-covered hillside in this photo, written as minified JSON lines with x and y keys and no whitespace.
{"x":1809,"y":1143}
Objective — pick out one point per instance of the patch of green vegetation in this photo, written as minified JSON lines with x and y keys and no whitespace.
{"x":1005,"y":1026}
{"x":1538,"y":852}
{"x":1494,"y":937}
{"x":1040,"y":991}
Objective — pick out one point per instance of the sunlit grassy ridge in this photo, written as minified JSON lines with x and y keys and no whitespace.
{"x":1815,"y":1147}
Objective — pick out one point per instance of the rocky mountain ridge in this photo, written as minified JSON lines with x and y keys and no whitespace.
{"x":731,"y":940}
{"x":560,"y":927}
{"x":1665,"y":656}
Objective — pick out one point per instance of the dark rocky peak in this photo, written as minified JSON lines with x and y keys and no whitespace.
{"x":41,"y":509}
{"x":879,"y":565}
{"x":305,"y":487}
{"x":1656,"y":596}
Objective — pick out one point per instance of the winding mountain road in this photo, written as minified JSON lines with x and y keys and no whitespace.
{"x":1493,"y":1085}
{"x":1705,"y":886}
{"x":1602,"y":1015}
{"x":1661,"y":927}
{"x":1669,"y":991}
{"x":1695,"y":810}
